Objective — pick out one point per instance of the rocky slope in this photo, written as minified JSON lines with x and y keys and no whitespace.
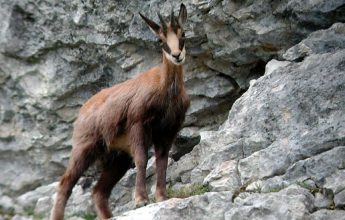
{"x":280,"y":152}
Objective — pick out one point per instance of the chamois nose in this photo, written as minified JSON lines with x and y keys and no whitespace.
{"x":176,"y":55}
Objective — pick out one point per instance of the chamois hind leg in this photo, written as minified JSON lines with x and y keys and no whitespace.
{"x":81,"y":158}
{"x":114,"y":167}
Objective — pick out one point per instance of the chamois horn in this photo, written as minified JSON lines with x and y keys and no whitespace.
{"x":164,"y":25}
{"x":172,"y":19}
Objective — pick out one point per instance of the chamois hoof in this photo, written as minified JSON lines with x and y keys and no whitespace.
{"x":142,"y":203}
{"x":161,"y":198}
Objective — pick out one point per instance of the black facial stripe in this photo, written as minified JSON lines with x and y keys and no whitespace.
{"x":175,"y":26}
{"x":166,"y":48}
{"x":181,"y":43}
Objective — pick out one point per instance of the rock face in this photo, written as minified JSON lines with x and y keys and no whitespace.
{"x":55,"y":55}
{"x":280,"y":153}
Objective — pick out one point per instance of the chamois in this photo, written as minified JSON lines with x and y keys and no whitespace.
{"x":122,"y":122}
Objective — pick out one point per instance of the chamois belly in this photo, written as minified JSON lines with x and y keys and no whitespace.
{"x":121,"y":143}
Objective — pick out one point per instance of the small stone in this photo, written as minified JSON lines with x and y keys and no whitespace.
{"x":273,"y":65}
{"x":339,"y":199}
{"x":19,"y":217}
{"x":43,"y":206}
{"x":336,"y":181}
{"x":324,"y":199}
{"x":325,"y":214}
{"x":224,"y":177}
{"x":6,"y":204}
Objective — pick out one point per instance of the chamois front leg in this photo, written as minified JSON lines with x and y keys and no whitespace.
{"x":161,"y":154}
{"x":140,"y":145}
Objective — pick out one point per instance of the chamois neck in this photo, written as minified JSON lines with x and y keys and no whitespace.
{"x":172,"y":76}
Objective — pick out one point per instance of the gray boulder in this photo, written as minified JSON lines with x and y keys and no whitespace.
{"x":208,"y":206}
{"x":290,"y":203}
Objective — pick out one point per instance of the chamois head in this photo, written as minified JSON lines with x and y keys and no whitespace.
{"x":171,"y":35}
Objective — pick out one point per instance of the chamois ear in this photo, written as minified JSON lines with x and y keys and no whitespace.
{"x":182,"y":16}
{"x":155,"y":28}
